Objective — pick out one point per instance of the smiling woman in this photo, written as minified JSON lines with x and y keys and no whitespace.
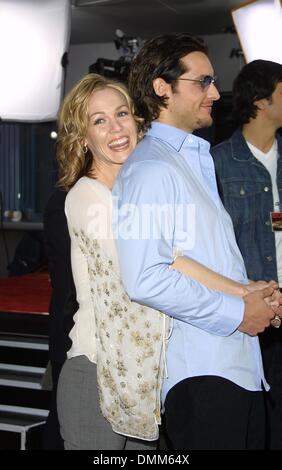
{"x":111,"y":135}
{"x":114,"y":367}
{"x":97,"y":128}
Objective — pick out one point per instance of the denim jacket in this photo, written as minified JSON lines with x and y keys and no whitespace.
{"x":246,"y":190}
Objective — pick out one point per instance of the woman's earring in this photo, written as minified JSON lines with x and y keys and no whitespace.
{"x":84,"y":148}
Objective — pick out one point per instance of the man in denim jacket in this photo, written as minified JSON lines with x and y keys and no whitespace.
{"x":249,"y":170}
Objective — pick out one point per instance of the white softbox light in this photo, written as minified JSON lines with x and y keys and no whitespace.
{"x":34,"y":35}
{"x":259,"y":27}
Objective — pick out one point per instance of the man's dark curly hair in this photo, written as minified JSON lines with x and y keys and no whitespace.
{"x":257,"y":80}
{"x":159,"y":57}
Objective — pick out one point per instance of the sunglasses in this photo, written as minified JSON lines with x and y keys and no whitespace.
{"x":205,"y":82}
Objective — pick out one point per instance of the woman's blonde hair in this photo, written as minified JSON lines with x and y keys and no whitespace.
{"x":73,"y":158}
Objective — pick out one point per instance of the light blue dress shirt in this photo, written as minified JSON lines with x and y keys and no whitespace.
{"x":166,"y":197}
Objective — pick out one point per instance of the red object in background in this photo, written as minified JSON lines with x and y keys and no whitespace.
{"x":25,"y":294}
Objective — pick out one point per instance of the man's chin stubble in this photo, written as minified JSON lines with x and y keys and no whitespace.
{"x":202,"y":123}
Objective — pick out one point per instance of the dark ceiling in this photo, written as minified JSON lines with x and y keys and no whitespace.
{"x":97,"y":20}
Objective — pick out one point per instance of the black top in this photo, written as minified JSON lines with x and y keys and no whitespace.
{"x":63,"y":303}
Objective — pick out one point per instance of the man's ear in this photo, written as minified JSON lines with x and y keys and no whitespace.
{"x":262,"y":104}
{"x":161,"y":87}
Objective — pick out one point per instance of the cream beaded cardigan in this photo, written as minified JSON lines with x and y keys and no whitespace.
{"x":125,"y":339}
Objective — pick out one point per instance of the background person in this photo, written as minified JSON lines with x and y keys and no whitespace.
{"x":249,"y":169}
{"x":62,"y":307}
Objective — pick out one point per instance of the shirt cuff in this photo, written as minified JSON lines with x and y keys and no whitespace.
{"x":230,"y":316}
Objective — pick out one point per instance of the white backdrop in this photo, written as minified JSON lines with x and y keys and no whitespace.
{"x":34,"y":35}
{"x":259,"y":27}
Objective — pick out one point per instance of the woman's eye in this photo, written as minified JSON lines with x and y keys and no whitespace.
{"x":98,"y":121}
{"x":123,"y":113}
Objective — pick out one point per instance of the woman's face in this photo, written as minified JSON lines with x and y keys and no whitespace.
{"x":111,"y":134}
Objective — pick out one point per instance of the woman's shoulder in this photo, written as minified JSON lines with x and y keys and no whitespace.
{"x":84,"y":194}
{"x":87,"y":187}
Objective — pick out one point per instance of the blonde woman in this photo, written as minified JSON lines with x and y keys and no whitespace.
{"x":111,"y":380}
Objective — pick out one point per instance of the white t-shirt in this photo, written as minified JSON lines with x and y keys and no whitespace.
{"x":269,"y":160}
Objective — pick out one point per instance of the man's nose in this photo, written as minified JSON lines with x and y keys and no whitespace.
{"x":213,"y":92}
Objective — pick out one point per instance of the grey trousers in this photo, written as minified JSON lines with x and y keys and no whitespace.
{"x":83,"y":426}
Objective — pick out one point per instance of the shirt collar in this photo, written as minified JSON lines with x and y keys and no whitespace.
{"x":174,"y":136}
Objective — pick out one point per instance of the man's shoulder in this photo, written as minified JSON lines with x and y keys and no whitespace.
{"x":279,"y":138}
{"x":147,"y":171}
{"x":223,"y":152}
{"x":150,"y":155}
{"x":234,"y":140}
{"x":221,"y":148}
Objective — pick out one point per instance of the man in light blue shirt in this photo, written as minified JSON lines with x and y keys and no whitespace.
{"x":168,"y":199}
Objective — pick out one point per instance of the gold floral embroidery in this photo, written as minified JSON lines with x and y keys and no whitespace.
{"x":144,"y":390}
{"x":117,"y":309}
{"x":113,"y":287}
{"x":129,"y":356}
{"x":121,"y":368}
{"x":106,"y":289}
